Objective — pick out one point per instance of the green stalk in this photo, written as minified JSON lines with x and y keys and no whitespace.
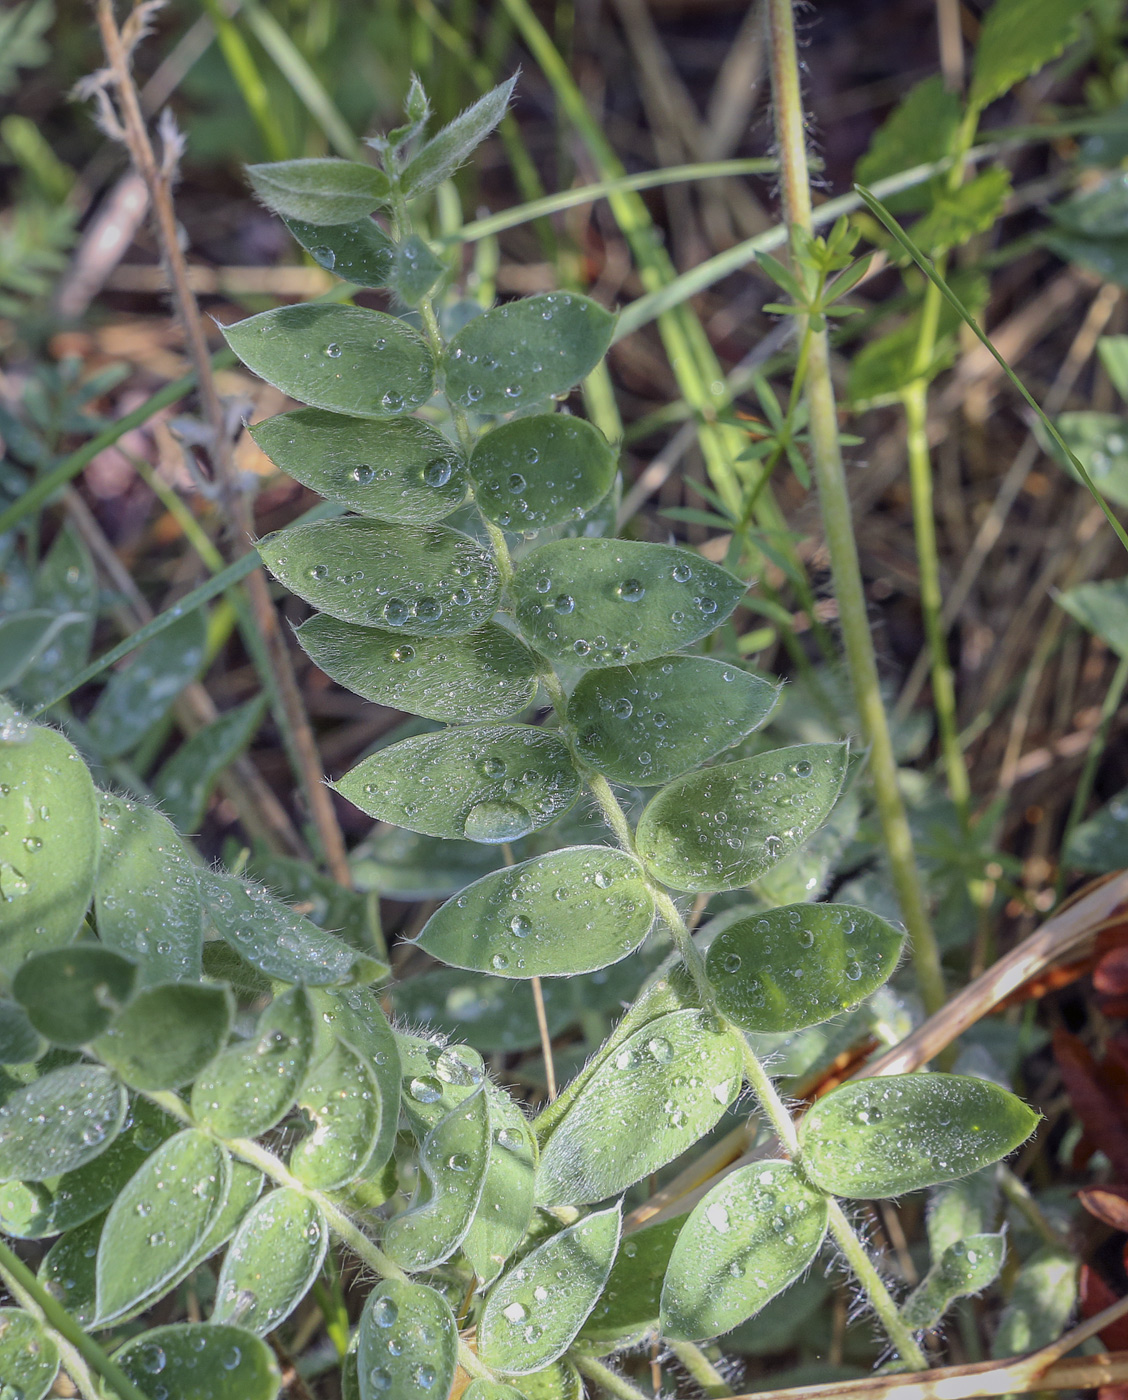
{"x":608,"y":1380}
{"x":712,"y":1383}
{"x":1083,"y":791}
{"x":248,"y":79}
{"x":834,"y":500}
{"x":858,"y":1259}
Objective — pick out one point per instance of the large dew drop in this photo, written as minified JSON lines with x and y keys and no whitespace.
{"x":496,"y":822}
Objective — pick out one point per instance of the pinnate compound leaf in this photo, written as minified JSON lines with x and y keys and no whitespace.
{"x":59,"y":1122}
{"x":526,"y":351}
{"x":601,"y":602}
{"x":159,"y":1221}
{"x":630,"y":1305}
{"x":661,"y":1090}
{"x":725,"y":827}
{"x":185,"y":781}
{"x":147,"y":893}
{"x":649,"y":723}
{"x":424,"y":582}
{"x":568,"y":912}
{"x":882,"y":1137}
{"x":320,"y":190}
{"x":20,"y":1043}
{"x":1019,"y":37}
{"x":746,"y":1240}
{"x":965,"y":1267}
{"x":541,"y":471}
{"x":488,"y":783}
{"x":143,"y":691}
{"x":167,"y":1034}
{"x":788,"y":968}
{"x":535,"y":1310}
{"x":398,"y":469}
{"x":271,"y":937}
{"x":29,"y":1358}
{"x":505,"y":1208}
{"x":488,"y":674}
{"x":450,"y":147}
{"x":70,"y":994}
{"x":49,"y":840}
{"x":201,"y":1361}
{"x":342,"y":358}
{"x":360,"y":251}
{"x":341,"y":1097}
{"x":408,"y":1343}
{"x":249,"y":1086}
{"x":271,"y":1262}
{"x":453,"y":1161}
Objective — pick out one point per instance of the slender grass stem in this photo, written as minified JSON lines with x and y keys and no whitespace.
{"x":1084,"y":789}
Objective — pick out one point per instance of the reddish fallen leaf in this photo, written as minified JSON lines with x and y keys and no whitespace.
{"x":1102,"y":1110}
{"x":1096,"y":1295}
{"x":1113,"y":1392}
{"x":1110,"y":976}
{"x":1114,"y":1006}
{"x":1107,"y":1203}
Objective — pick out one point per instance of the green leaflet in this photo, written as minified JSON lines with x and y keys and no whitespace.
{"x":746,"y":1240}
{"x":19,"y":1040}
{"x":1041,"y":1303}
{"x":726,"y":826}
{"x":416,"y":269}
{"x":919,"y":130}
{"x":1100,"y":442}
{"x":652,"y":1098}
{"x":68,"y":1270}
{"x":65,"y":582}
{"x":526,"y":351}
{"x":360,"y":252}
{"x":279,"y":942}
{"x":436,"y":1079}
{"x":249,"y":1086}
{"x":560,"y":1381}
{"x":1019,"y":37}
{"x":881,"y":1137}
{"x":341,"y":1098}
{"x":147,"y":893}
{"x":505,"y":1209}
{"x":600,"y":602}
{"x":70,"y":994}
{"x":540,"y":471}
{"x":490,"y":1390}
{"x":649,"y":723}
{"x":59,"y":1122}
{"x":631,"y":1302}
{"x":404,"y":865}
{"x":450,"y":147}
{"x":488,"y":674}
{"x":1112,"y":351}
{"x":271,"y":1262}
{"x":201,"y":1361}
{"x":29,"y":1358}
{"x":453,"y":1160}
{"x":568,"y":912}
{"x":320,"y":190}
{"x":159,"y":1220}
{"x":185,"y":781}
{"x":958,"y":1209}
{"x":1100,"y":842}
{"x":143,"y":691}
{"x":408,"y":1343}
{"x":958,"y":215}
{"x":167,"y":1034}
{"x":488,"y":783}
{"x":48,"y":846}
{"x":25,"y":636}
{"x":1101,"y":608}
{"x":534,"y":1311}
{"x":399,"y":469}
{"x":342,"y":358}
{"x":425,"y":582}
{"x":353,"y":1015}
{"x":784,"y":969}
{"x":965,"y":1267}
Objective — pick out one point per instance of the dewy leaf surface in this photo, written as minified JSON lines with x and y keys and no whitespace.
{"x":341,"y":1097}
{"x":966,"y":1267}
{"x":787,"y":968}
{"x":448,"y":148}
{"x":167,"y":1034}
{"x":320,"y":190}
{"x":526,"y":351}
{"x":360,"y":251}
{"x":147,"y":893}
{"x":882,"y":1137}
{"x":408,"y":1343}
{"x":29,"y":1358}
{"x":568,"y":912}
{"x":425,"y":582}
{"x":59,"y":1122}
{"x":49,"y":840}
{"x":505,"y":1208}
{"x":159,"y":1220}
{"x":271,"y":1262}
{"x":541,"y":471}
{"x":70,"y":994}
{"x":399,"y":469}
{"x":342,"y":358}
{"x":746,"y":1240}
{"x":534,"y":1311}
{"x":660,"y":1091}
{"x":726,"y":826}
{"x":488,"y":674}
{"x":603,"y":602}
{"x":488,"y":783}
{"x":631,"y":1302}
{"x":202,"y":1361}
{"x":20,"y":1043}
{"x":649,"y":723}
{"x":353,"y":1014}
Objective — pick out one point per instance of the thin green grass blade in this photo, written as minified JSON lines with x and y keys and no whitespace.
{"x":248,"y":79}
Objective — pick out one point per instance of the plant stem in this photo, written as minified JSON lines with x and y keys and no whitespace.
{"x":57,"y":1317}
{"x":1084,"y":788}
{"x":701,"y":1369}
{"x":834,"y":499}
{"x":881,"y":1299}
{"x":608,"y":1380}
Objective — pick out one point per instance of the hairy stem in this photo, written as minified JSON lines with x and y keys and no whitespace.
{"x":834,"y":499}
{"x":607,"y":1379}
{"x":881,"y":1299}
{"x":701,"y":1369}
